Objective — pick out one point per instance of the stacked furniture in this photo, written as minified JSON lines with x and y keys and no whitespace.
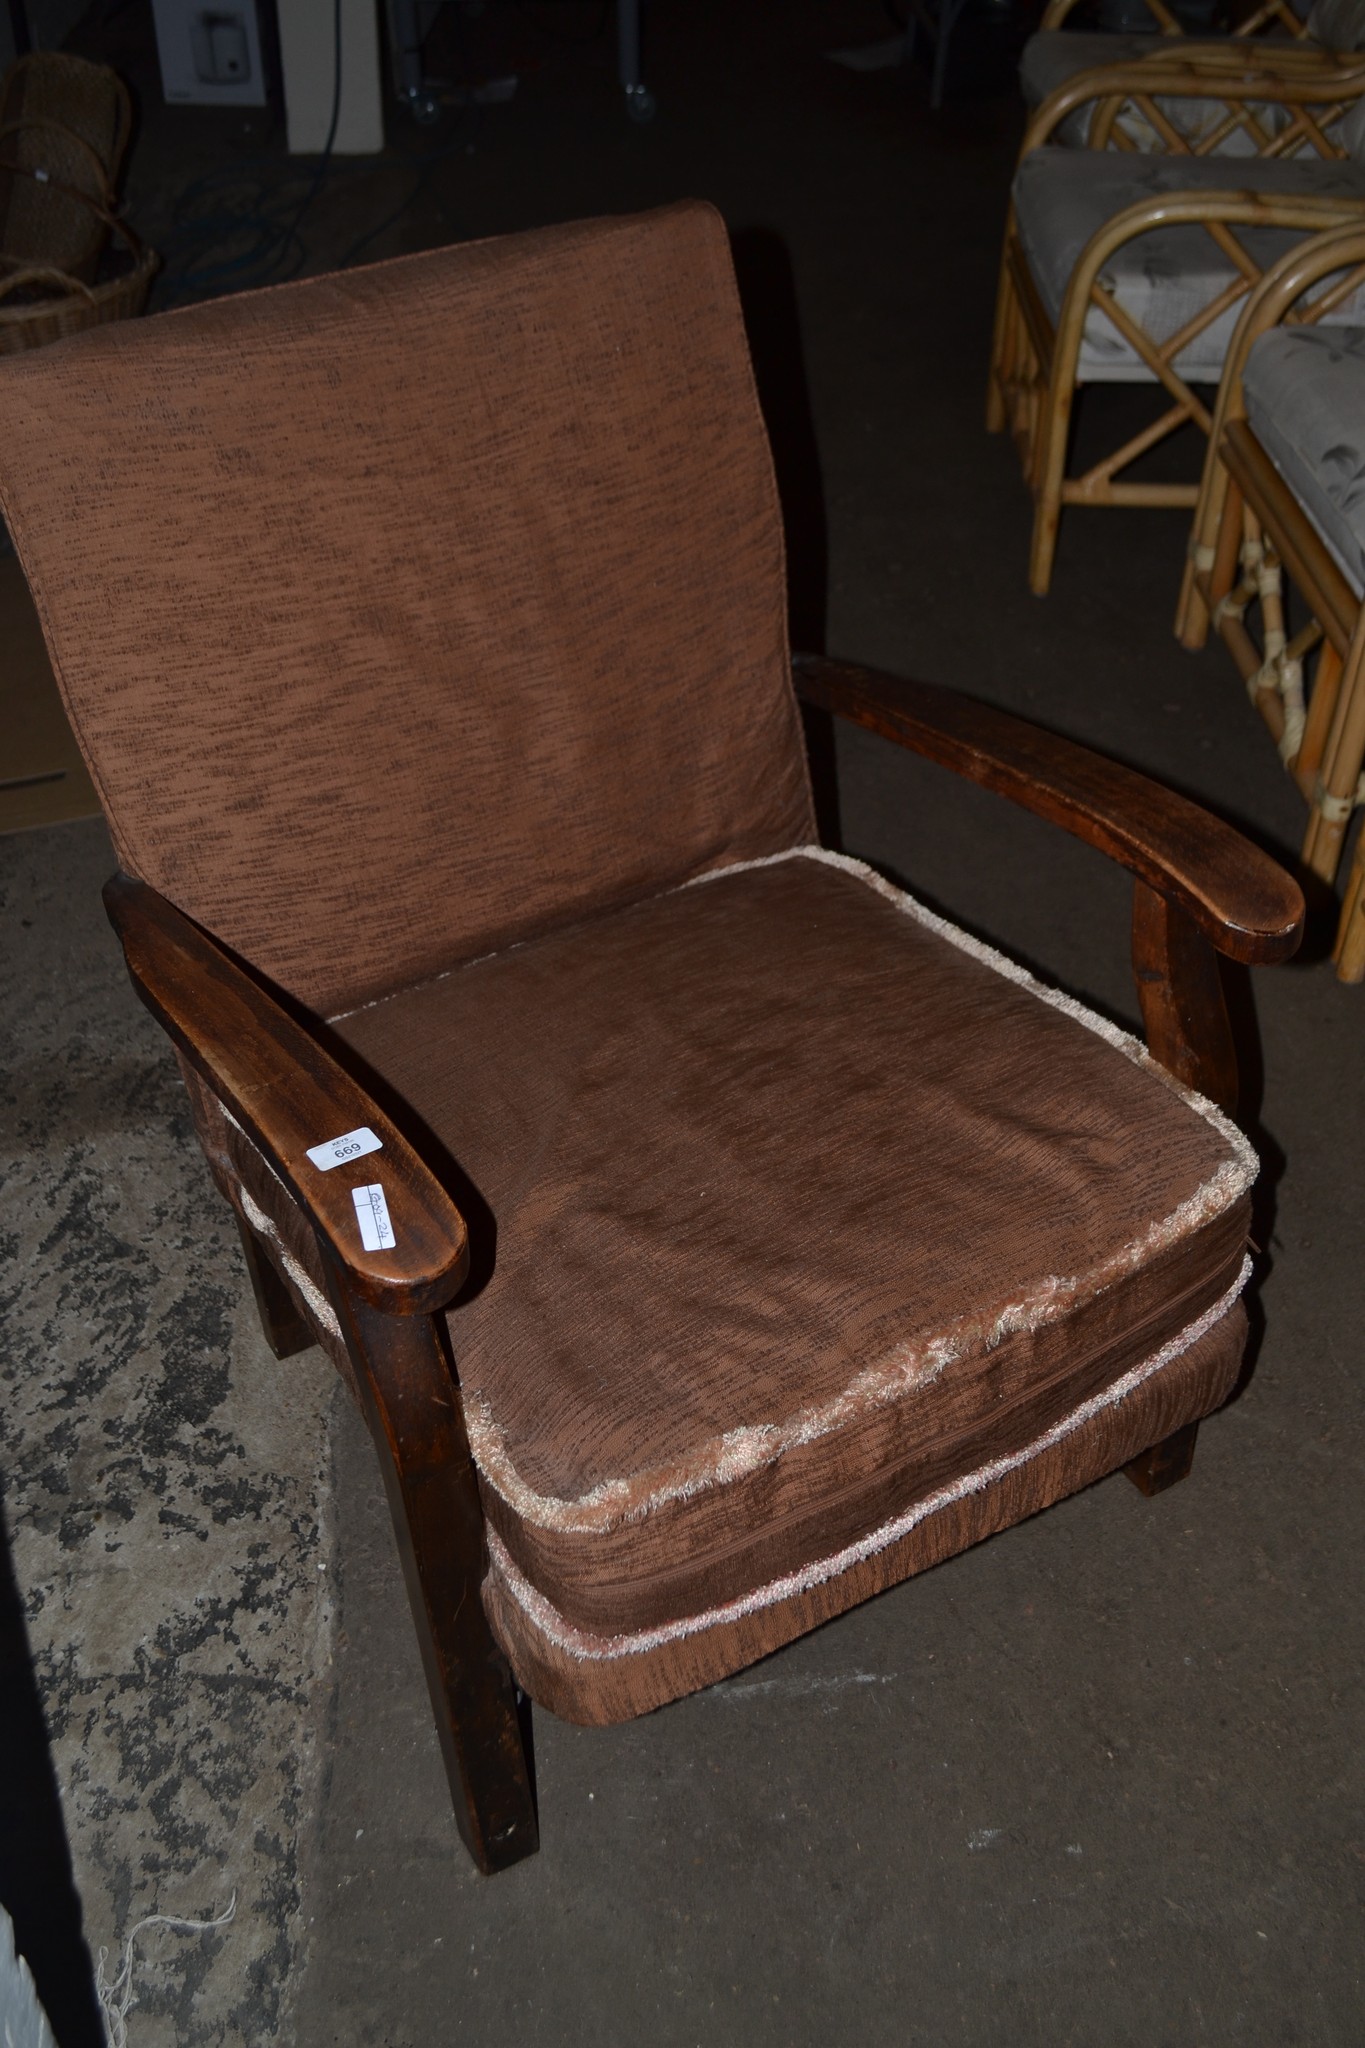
{"x":1123,"y":267}
{"x":1284,"y":490}
{"x":1056,"y":57}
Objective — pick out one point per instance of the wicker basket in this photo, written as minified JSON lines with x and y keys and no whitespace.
{"x":64,"y":128}
{"x":40,"y":302}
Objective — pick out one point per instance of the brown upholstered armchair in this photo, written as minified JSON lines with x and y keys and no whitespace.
{"x":711,"y":1235}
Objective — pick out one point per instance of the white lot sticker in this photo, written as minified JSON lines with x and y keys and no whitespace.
{"x":337,"y":1151}
{"x":376,"y":1231}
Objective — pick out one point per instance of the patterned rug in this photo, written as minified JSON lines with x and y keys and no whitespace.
{"x":166,"y":1482}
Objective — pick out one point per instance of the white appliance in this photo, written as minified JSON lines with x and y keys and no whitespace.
{"x":210,"y":52}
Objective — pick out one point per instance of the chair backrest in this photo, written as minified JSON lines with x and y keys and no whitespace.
{"x":405,"y":612}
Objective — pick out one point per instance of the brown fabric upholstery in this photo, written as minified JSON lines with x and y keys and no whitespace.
{"x":800,"y":1209}
{"x":598,"y":1680}
{"x":355,"y":589}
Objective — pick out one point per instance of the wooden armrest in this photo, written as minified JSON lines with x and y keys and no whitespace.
{"x":289,"y":1093}
{"x":1238,"y":897}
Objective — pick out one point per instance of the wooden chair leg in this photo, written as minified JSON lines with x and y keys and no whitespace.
{"x":1166,"y":1462}
{"x":285,"y":1330}
{"x":412,"y":1406}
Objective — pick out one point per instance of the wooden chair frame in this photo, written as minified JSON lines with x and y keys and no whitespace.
{"x":1200,"y":890}
{"x":1248,"y":528}
{"x":1034,"y":371}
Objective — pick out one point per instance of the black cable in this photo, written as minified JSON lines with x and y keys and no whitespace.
{"x":206,"y":219}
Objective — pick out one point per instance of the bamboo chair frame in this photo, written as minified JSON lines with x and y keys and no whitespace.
{"x":1249,"y":529}
{"x":1035,"y":366}
{"x":1273,"y":14}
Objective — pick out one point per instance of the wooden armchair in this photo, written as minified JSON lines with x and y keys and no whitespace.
{"x":711,"y":1236}
{"x":1123,"y":268}
{"x":1282,"y":491}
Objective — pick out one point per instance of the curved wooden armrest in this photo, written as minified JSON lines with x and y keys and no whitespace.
{"x":1322,"y":80}
{"x":1240,"y":899}
{"x":289,"y":1093}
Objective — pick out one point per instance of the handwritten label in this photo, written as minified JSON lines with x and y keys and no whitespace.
{"x":376,"y":1231}
{"x":337,"y":1151}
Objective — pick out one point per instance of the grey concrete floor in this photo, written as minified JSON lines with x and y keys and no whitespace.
{"x":1097,"y":1781}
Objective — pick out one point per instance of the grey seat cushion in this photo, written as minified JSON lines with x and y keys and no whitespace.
{"x":1053,"y":57}
{"x":1338,"y":25}
{"x":1305,"y":399}
{"x":1064,"y":197}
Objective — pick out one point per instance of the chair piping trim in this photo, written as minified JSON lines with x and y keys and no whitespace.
{"x":587,"y":1648}
{"x":318,"y":1304}
{"x":916,"y":1362}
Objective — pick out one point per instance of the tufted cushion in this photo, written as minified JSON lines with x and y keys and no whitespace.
{"x":354,"y":588}
{"x":1053,"y":57}
{"x":1162,"y":278}
{"x":1305,"y":400}
{"x":789,"y":1207}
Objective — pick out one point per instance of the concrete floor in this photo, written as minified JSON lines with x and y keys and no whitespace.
{"x":1097,"y":1781}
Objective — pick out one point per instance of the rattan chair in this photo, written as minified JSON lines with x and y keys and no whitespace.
{"x":1273,"y":37}
{"x":710,"y":1234}
{"x":1284,"y":490}
{"x":1127,"y":268}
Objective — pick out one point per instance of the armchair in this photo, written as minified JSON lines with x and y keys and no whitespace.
{"x":1124,"y":269}
{"x":710,"y":1235}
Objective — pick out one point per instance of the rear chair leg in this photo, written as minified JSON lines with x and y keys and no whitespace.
{"x":285,"y":1330}
{"x":1165,"y":1463}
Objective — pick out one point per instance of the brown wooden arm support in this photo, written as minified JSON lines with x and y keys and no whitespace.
{"x":288,"y":1093}
{"x":1201,"y":887}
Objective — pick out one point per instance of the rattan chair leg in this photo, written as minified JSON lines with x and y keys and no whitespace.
{"x":1322,"y":706}
{"x":1004,"y":346}
{"x":1336,"y":789}
{"x":1350,"y":947}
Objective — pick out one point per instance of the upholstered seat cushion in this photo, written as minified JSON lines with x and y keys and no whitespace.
{"x":1162,"y":279}
{"x":1053,"y":57}
{"x":1305,"y":399}
{"x":801,"y":1209}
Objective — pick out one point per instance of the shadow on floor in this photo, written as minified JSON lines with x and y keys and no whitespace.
{"x":37,"y":1887}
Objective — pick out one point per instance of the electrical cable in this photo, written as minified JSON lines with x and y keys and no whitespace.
{"x":206,"y":218}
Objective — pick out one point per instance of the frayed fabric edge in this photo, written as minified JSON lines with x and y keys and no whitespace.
{"x":616,"y":1503}
{"x":587,"y":1648}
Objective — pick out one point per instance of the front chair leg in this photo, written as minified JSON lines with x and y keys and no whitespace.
{"x":1181,"y":994}
{"x":412,"y":1406}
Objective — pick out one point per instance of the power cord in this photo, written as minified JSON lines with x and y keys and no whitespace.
{"x":253,"y":203}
